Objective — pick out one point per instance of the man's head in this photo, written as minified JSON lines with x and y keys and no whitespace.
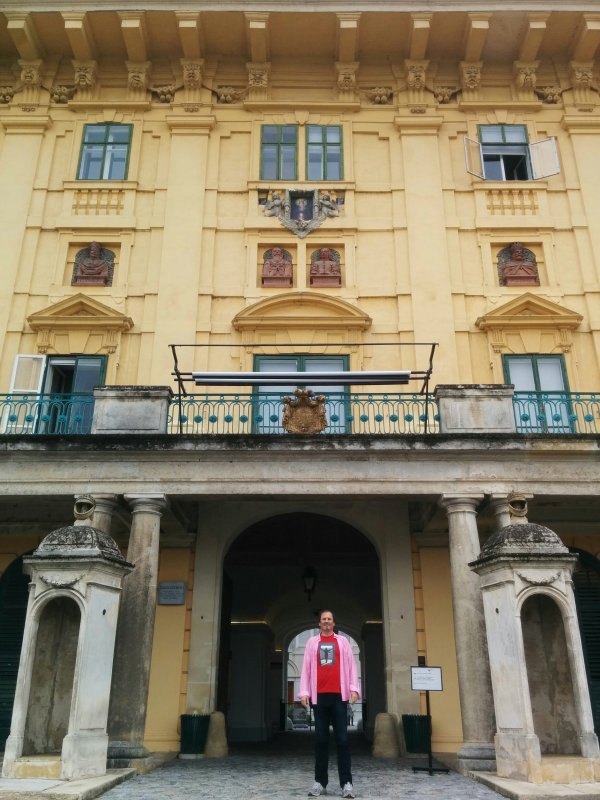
{"x":326,"y":622}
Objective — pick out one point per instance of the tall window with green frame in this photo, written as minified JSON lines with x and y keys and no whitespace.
{"x":269,"y":403}
{"x":105,"y":153}
{"x":541,"y":392}
{"x":324,"y":153}
{"x":279,"y":152}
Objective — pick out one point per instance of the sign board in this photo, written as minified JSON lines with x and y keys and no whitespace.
{"x":172,"y":593}
{"x":426,"y":679}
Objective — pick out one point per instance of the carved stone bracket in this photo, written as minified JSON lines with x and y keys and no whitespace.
{"x":31,"y":80}
{"x":259,"y":74}
{"x":415,"y":81}
{"x":582,"y":80}
{"x":346,"y":81}
{"x":525,"y":78}
{"x":470,"y":79}
{"x":138,"y":77}
{"x":301,"y":211}
{"x":193,"y":71}
{"x":86,"y":77}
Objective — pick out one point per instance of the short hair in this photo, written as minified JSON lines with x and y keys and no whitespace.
{"x":325,"y":611}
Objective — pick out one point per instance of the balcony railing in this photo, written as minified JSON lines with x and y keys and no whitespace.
{"x":556,"y":412}
{"x":263,"y":413}
{"x":57,"y":414}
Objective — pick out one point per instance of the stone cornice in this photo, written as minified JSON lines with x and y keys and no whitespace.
{"x":317,"y":5}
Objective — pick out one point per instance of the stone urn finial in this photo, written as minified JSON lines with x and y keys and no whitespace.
{"x":517,"y":508}
{"x":84,"y":508}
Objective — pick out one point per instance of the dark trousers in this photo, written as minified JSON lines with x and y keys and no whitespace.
{"x":331,"y":710}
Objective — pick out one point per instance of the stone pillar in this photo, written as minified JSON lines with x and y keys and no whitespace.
{"x":499,"y":505}
{"x":475,"y":408}
{"x":131,"y":673}
{"x":106,"y":505}
{"x":474,"y":681}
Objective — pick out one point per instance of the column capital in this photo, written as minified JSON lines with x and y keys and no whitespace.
{"x":147,"y":503}
{"x":454,"y":503}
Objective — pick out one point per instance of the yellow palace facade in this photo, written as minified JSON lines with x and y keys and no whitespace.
{"x":324,"y":187}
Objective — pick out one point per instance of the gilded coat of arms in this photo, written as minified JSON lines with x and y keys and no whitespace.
{"x":305,"y":413}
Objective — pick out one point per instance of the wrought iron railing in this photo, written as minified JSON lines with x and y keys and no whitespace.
{"x":556,"y":412}
{"x":262,"y":412}
{"x":58,"y":414}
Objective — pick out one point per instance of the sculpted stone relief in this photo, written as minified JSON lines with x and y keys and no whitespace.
{"x":277,"y":268}
{"x":325,"y":269}
{"x":517,"y":266}
{"x":94,"y":266}
{"x":301,"y":211}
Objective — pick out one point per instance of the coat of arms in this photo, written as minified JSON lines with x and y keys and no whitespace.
{"x":305,"y":413}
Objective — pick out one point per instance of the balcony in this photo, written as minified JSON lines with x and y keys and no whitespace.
{"x":450,"y":410}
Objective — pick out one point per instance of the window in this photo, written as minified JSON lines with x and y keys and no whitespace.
{"x":324,"y":153}
{"x":278,"y":152}
{"x":541,"y":392}
{"x":52,"y":394}
{"x":504,"y":153}
{"x":269,"y":406}
{"x":104,"y":153}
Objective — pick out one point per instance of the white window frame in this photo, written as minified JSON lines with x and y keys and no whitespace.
{"x":543,"y":158}
{"x":24,"y":391}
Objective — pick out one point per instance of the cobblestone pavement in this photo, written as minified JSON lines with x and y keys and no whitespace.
{"x":283,"y":769}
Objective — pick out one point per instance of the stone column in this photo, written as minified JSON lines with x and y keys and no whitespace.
{"x":131,"y":673}
{"x":106,"y":505}
{"x":475,"y":687}
{"x":499,"y":505}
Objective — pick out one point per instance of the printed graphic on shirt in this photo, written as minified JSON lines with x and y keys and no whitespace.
{"x":326,"y":654}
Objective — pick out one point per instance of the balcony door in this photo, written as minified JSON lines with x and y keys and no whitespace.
{"x":269,"y":408}
{"x":541,"y":392}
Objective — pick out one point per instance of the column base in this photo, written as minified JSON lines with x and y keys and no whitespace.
{"x":122,"y":750}
{"x":477,"y":756}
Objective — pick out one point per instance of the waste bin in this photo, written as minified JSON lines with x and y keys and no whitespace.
{"x":417,"y":730}
{"x":194,"y":730}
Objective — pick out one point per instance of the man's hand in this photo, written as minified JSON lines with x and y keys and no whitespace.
{"x":353,"y":697}
{"x":304,"y":701}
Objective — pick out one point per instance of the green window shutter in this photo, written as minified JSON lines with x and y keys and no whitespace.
{"x":586,"y":582}
{"x":13,"y":609}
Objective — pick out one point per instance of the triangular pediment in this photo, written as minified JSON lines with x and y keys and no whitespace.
{"x":530,"y":311}
{"x":79,"y":311}
{"x":301,"y":310}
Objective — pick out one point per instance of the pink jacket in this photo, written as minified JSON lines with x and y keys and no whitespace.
{"x":348,"y":670}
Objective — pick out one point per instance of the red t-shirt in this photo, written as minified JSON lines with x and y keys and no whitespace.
{"x":328,"y":665}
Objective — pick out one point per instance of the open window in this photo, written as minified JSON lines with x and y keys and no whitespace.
{"x":504,"y":153}
{"x":541,"y":398}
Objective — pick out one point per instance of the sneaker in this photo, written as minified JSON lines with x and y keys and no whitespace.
{"x":317,"y":790}
{"x":347,"y":790}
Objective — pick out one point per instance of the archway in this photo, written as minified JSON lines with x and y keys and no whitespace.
{"x":13,"y":610}
{"x":268,"y":603}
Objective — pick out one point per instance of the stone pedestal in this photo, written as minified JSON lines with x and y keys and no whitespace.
{"x":76,"y":576}
{"x":128,"y":700}
{"x":476,"y":701}
{"x":477,"y":408}
{"x":131,"y":409}
{"x":385,"y":739}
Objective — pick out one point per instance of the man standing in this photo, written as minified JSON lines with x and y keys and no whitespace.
{"x":329,"y":679}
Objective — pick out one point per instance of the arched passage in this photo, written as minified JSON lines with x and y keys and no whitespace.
{"x":265,"y":598}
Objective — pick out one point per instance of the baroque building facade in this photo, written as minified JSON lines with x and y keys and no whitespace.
{"x":326,"y":189}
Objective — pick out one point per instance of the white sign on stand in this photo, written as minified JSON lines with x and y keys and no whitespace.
{"x":426,"y":679}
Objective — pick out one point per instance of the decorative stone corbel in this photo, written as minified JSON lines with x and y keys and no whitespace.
{"x":470,"y":79}
{"x":582,"y":80}
{"x":138,"y":78}
{"x":415,"y":81}
{"x":524,"y":79}
{"x":86,"y":77}
{"x":193,"y":71}
{"x":31,"y":80}
{"x":346,"y":80}
{"x":259,"y":74}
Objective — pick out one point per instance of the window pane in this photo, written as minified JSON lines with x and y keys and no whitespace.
{"x":288,"y":134}
{"x":278,"y":365}
{"x":334,"y":163}
{"x":315,"y":133}
{"x":288,"y":162}
{"x":88,"y":373}
{"x":315,"y":163}
{"x":492,"y":168}
{"x":490,"y":133}
{"x":94,"y":133}
{"x":269,"y":162}
{"x":520,"y":373}
{"x":515,"y":133}
{"x":516,"y":168}
{"x":333,"y":133}
{"x":269,"y":133}
{"x":119,"y":133}
{"x":115,"y":164}
{"x":551,"y":375}
{"x":91,"y":163}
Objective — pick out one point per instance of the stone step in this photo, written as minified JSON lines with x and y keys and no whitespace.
{"x":570,"y":769}
{"x":44,"y":766}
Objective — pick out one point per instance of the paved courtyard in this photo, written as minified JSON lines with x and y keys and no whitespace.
{"x":283,"y":769}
